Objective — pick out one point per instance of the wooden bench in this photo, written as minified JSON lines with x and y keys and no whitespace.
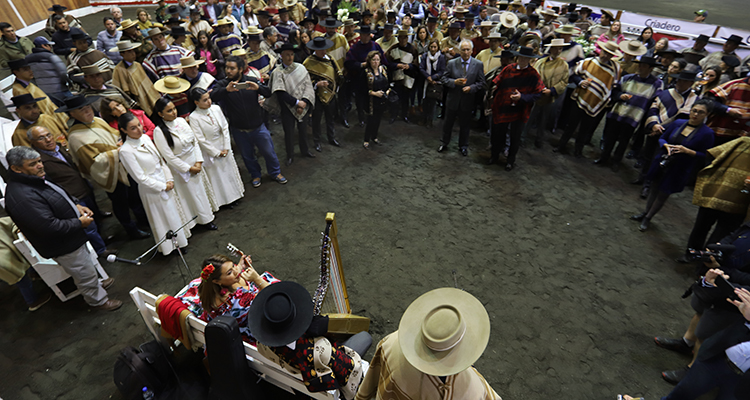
{"x":268,"y":370}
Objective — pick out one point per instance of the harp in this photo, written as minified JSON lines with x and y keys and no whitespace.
{"x":331,"y":298}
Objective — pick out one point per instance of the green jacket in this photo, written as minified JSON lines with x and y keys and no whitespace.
{"x":11,"y":52}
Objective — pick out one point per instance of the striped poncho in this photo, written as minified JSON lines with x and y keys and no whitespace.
{"x":643,"y":90}
{"x":733,"y":94}
{"x":227,"y":43}
{"x":602,"y":78}
{"x":668,"y":106}
{"x":339,"y":49}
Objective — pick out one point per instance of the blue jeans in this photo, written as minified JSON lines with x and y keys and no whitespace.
{"x":702,"y":377}
{"x":92,"y":231}
{"x":27,"y":289}
{"x":260,"y":138}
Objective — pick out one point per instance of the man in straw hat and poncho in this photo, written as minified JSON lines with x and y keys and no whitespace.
{"x":554,"y":73}
{"x":325,"y":77}
{"x":225,"y":40}
{"x":130,"y":32}
{"x":441,"y":334}
{"x":95,"y":87}
{"x":23,"y":84}
{"x":129,"y":76}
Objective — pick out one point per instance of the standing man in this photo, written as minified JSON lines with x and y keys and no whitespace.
{"x":403,"y":57}
{"x":414,"y":8}
{"x":257,"y":57}
{"x":388,"y":39}
{"x":594,"y":78}
{"x":130,"y":32}
{"x":603,"y":26}
{"x":517,"y":87}
{"x":293,"y":98}
{"x":85,"y":56}
{"x":693,"y":55}
{"x":554,"y":73}
{"x":728,"y":49}
{"x":30,"y":114}
{"x":464,"y":76}
{"x":432,"y":31}
{"x":59,"y":11}
{"x":225,"y":40}
{"x":163,"y":61}
{"x":54,"y":224}
{"x":270,"y":41}
{"x":632,"y":95}
{"x":196,"y":24}
{"x":12,"y":47}
{"x":490,"y":57}
{"x":731,"y":111}
{"x":285,"y":25}
{"x":325,"y":76}
{"x":450,"y":44}
{"x":246,"y":119}
{"x":108,"y":39}
{"x":49,"y":71}
{"x":337,"y":52}
{"x":129,"y":76}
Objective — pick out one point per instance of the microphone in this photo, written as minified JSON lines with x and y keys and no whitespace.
{"x":113,"y":258}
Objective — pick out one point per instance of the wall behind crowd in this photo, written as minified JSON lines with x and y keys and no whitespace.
{"x":21,"y":13}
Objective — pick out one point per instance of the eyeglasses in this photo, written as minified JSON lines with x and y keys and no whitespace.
{"x":44,"y":138}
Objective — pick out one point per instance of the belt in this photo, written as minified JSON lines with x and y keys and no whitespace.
{"x":733,"y":366}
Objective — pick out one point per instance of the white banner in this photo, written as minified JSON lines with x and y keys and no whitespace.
{"x":633,"y":23}
{"x":726,"y":32}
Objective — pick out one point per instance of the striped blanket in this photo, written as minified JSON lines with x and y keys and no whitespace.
{"x":601,"y":78}
{"x":733,"y":94}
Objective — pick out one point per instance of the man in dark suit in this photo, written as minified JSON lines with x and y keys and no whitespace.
{"x":60,"y":169}
{"x":463,"y":77}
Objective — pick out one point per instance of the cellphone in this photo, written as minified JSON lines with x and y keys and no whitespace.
{"x":726,"y":288}
{"x":242,"y":85}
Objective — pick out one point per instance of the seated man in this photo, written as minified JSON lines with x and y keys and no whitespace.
{"x":54,"y":224}
{"x":62,"y":37}
{"x":27,"y":108}
{"x":23,"y":85}
{"x":12,"y":46}
{"x":95,"y":87}
{"x":85,"y":56}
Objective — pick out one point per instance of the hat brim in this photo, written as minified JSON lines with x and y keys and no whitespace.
{"x":161,"y":88}
{"x":33,"y":100}
{"x":263,"y":331}
{"x":123,"y":27}
{"x":460,"y":357}
{"x":556,"y":45}
{"x":641,"y":50}
{"x":335,"y":25}
{"x":614,"y":53}
{"x":651,"y":62}
{"x":282,"y":49}
{"x":677,"y":76}
{"x":88,"y":101}
{"x":327,"y":46}
{"x":565,"y":32}
{"x":117,"y":49}
{"x":159,"y":33}
{"x":732,"y":40}
{"x":195,"y":64}
{"x":518,"y":54}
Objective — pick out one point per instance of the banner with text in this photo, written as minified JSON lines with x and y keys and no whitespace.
{"x":727,"y":32}
{"x":634,"y":23}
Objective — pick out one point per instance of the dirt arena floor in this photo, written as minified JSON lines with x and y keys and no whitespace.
{"x":575,"y":292}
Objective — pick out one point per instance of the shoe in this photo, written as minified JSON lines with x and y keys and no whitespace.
{"x":107,"y":252}
{"x":508,"y":167}
{"x":40,"y":302}
{"x":630,"y":155}
{"x":289,"y":161}
{"x":492,"y":161}
{"x":674,"y":377}
{"x":406,"y":120}
{"x":615,"y":167}
{"x":110,"y":305}
{"x":376,"y":141}
{"x":684,"y":259}
{"x":318,"y":148}
{"x":309,"y":154}
{"x":677,"y":345}
{"x":464,"y":152}
{"x":138,"y":234}
{"x":334,"y":142}
{"x":361,"y":124}
{"x":645,"y":191}
{"x":600,"y":161}
{"x":637,"y":181}
{"x":345,"y":123}
{"x":366,"y":145}
{"x":256,"y":182}
{"x":644,"y":224}
{"x":211,"y":226}
{"x":638,"y":217}
{"x":108,"y":282}
{"x":280,"y":179}
{"x":106,"y":214}
{"x":442,"y":148}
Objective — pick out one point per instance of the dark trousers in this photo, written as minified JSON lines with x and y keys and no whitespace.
{"x":404,"y":95}
{"x":344,"y":99}
{"x":464,"y":123}
{"x":373,"y":121}
{"x":499,"y":138}
{"x":428,"y":109}
{"x":123,"y":200}
{"x":703,"y":377}
{"x":289,"y":123}
{"x":725,"y":222}
{"x":648,"y":151}
{"x":319,"y":111}
{"x":538,"y":120}
{"x":417,"y":93}
{"x":587,"y":125}
{"x":567,"y":106}
{"x":616,"y":132}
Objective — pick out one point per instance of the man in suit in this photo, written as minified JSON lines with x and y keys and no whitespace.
{"x":464,"y":76}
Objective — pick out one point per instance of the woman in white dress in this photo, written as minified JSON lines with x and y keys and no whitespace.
{"x":212,"y":131}
{"x":179,"y":147}
{"x":155,"y":184}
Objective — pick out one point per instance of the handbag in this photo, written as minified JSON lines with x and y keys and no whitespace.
{"x":392,"y":97}
{"x":434,"y":91}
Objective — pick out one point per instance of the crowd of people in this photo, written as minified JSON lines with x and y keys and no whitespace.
{"x":149,"y":114}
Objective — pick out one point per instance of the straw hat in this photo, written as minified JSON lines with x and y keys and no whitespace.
{"x":530,"y":36}
{"x":124,"y":45}
{"x":125,"y":24}
{"x":460,"y":10}
{"x":187,"y":62}
{"x":508,"y":19}
{"x":252,"y":30}
{"x":239,"y":52}
{"x":89,"y":70}
{"x":157,"y":31}
{"x":556,"y":43}
{"x":549,"y":12}
{"x":487,"y":24}
{"x":280,"y":313}
{"x":290,"y":3}
{"x":223,"y":21}
{"x":171,"y":85}
{"x":403,"y":32}
{"x":633,"y":47}
{"x":442,"y":332}
{"x":608,"y":13}
{"x":495,"y":35}
{"x":568,"y":30}
{"x":611,"y":48}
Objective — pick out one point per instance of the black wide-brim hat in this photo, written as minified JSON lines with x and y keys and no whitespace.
{"x":525,"y":52}
{"x":363,"y":29}
{"x":17,"y":64}
{"x":24,"y":99}
{"x":287,"y":46}
{"x":309,"y":19}
{"x":647,"y":60}
{"x":79,"y":36}
{"x":685,"y":76}
{"x":319,"y":43}
{"x":75,"y":102}
{"x":330,"y":23}
{"x":733,"y":39}
{"x":280,"y":314}
{"x":57,"y":7}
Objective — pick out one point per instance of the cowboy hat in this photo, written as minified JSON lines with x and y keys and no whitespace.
{"x":495,"y":35}
{"x":172,"y":21}
{"x":223,"y":21}
{"x":290,"y":3}
{"x":367,"y":13}
{"x":89,"y":70}
{"x":556,"y":43}
{"x":157,"y":31}
{"x":57,"y":7}
{"x":24,"y":99}
{"x":455,"y":25}
{"x":530,"y":36}
{"x":525,"y":51}
{"x":17,"y":64}
{"x":349,"y":22}
{"x":731,"y":61}
{"x":487,"y":24}
{"x":652,"y":61}
{"x":363,"y":29}
{"x":125,"y":24}
{"x":287,"y":46}
{"x":403,"y":32}
{"x":283,"y":10}
{"x":172,"y":10}
{"x":171,"y":85}
{"x":280,"y":314}
{"x":685,"y":75}
{"x":460,"y":10}
{"x":319,"y":43}
{"x":608,"y":13}
{"x":240,"y":52}
{"x":178,"y":31}
{"x":124,"y":45}
{"x":442,"y":332}
{"x":549,"y":12}
{"x":330,"y":23}
{"x":733,"y":39}
{"x":187,"y":62}
{"x":508,"y":19}
{"x":633,"y":47}
{"x":568,"y":30}
{"x":262,"y":13}
{"x":79,"y":36}
{"x":313,"y":20}
{"x":75,"y":102}
{"x":611,"y":48}
{"x":702,"y":38}
{"x":667,"y":53}
{"x":252,"y":30}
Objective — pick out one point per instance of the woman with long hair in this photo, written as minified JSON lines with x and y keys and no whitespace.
{"x":378,"y":90}
{"x":379,"y":21}
{"x":248,"y":18}
{"x":176,"y":142}
{"x":145,"y":166}
{"x":614,"y":34}
{"x":205,"y":50}
{"x":212,"y":132}
{"x":684,"y":144}
{"x":227,"y":13}
{"x":144,"y":21}
{"x":296,"y":38}
{"x":711,"y":77}
{"x":647,"y":37}
{"x":661,"y":45}
{"x":112,"y":108}
{"x":432,"y":66}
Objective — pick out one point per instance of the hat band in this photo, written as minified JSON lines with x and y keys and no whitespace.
{"x":449,"y":342}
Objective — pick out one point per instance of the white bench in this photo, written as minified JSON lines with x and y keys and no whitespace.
{"x":268,"y":370}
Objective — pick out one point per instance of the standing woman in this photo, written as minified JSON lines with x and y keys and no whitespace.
{"x":179,"y":147}
{"x":207,"y":51}
{"x":684,"y":144}
{"x":647,"y":37}
{"x":212,"y":131}
{"x":378,"y":88}
{"x":432,"y":66}
{"x":614,"y":33}
{"x":155,"y":183}
{"x":420,"y":44}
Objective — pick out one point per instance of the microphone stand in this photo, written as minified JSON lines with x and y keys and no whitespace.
{"x":171,"y":235}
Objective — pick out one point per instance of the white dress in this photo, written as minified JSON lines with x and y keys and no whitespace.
{"x":193,"y":190}
{"x":163,"y":209}
{"x":212,"y":131}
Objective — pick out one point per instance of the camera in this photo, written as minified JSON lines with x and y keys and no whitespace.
{"x":665,"y":161}
{"x":705,"y":255}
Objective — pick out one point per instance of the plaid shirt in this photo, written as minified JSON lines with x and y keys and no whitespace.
{"x":527,"y":81}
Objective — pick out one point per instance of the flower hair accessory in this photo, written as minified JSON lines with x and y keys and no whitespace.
{"x":207,"y":271}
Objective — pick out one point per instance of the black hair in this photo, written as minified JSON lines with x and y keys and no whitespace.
{"x":240,"y":61}
{"x":4,"y":26}
{"x":56,"y":18}
{"x":105,"y":19}
{"x":159,"y":106}
{"x":294,"y":37}
{"x":681,"y":62}
{"x":209,"y":43}
{"x":708,"y":103}
{"x":196,"y":93}
{"x":123,"y":122}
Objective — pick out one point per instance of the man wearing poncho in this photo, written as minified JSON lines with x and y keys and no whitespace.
{"x":293,"y":97}
{"x":324,"y":75}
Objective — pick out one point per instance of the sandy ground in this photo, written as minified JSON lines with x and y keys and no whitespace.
{"x":575,"y":292}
